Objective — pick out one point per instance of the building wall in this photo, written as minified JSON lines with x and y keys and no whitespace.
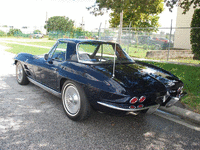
{"x":27,"y":30}
{"x":182,"y":36}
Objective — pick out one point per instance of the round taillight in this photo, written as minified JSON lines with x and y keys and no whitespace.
{"x":140,"y":106}
{"x":132,"y":107}
{"x":142,"y":99}
{"x":133,"y":100}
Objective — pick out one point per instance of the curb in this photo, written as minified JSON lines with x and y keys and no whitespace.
{"x":184,"y":113}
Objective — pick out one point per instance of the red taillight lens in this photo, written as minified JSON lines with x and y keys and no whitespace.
{"x":132,"y":107}
{"x":140,"y":106}
{"x":133,"y":100}
{"x":142,"y":99}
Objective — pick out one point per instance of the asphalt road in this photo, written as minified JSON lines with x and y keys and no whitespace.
{"x":31,"y":118}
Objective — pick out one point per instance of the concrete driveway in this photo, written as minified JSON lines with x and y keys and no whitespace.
{"x":31,"y":118}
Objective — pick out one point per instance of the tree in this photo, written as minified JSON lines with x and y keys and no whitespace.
{"x":59,"y":23}
{"x":185,"y":4}
{"x":195,"y":34}
{"x":2,"y":33}
{"x":12,"y":32}
{"x":140,"y":13}
{"x":36,"y":31}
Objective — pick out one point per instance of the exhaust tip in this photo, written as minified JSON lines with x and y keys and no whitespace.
{"x":132,"y":113}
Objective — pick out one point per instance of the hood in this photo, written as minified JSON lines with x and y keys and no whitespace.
{"x":138,"y":77}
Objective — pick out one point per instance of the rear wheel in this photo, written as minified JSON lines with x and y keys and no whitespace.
{"x":21,"y":75}
{"x":75,"y":102}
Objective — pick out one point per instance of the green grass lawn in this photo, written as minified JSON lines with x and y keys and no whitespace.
{"x":16,"y":48}
{"x":48,"y":44}
{"x":190,"y":76}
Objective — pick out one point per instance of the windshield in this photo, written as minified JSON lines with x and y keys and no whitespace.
{"x":102,"y":53}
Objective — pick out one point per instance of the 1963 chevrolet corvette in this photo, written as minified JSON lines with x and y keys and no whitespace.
{"x":95,"y":74}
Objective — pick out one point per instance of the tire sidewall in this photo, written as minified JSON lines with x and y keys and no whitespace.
{"x":84,"y":110}
{"x":24,"y":79}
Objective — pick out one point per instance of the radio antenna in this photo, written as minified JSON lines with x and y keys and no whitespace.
{"x":113,"y":75}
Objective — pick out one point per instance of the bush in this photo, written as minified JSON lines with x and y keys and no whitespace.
{"x":2,"y":33}
{"x":13,"y":32}
{"x":152,"y":47}
{"x":145,"y":46}
{"x":37,"y":31}
{"x":195,"y":34}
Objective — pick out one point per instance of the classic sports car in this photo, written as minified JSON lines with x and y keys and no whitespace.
{"x":95,"y":74}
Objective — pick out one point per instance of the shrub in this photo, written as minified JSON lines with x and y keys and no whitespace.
{"x":145,"y":46}
{"x":12,"y":32}
{"x":36,"y":31}
{"x":2,"y":33}
{"x":195,"y":33}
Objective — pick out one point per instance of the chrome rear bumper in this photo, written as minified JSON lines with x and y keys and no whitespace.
{"x":153,"y":107}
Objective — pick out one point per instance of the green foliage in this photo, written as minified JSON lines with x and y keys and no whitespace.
{"x":2,"y":33}
{"x":140,"y":13}
{"x":185,"y":4}
{"x":36,"y":31}
{"x":59,"y":23}
{"x":152,"y":47}
{"x":145,"y":46}
{"x":195,"y":34}
{"x":12,"y":32}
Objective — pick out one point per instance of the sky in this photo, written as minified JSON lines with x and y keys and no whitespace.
{"x":20,"y":13}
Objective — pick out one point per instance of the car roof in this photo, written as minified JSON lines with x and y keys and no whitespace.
{"x":83,"y":40}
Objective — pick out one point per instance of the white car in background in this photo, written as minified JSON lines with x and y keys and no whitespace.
{"x":38,"y":35}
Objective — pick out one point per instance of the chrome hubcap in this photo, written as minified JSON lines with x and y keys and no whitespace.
{"x":19,"y":72}
{"x":71,"y":100}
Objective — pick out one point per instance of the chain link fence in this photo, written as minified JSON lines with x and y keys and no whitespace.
{"x":138,"y":42}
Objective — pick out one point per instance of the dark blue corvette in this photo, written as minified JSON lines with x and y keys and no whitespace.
{"x":90,"y":74}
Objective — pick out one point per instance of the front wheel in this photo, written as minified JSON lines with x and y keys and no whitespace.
{"x":74,"y":101}
{"x":21,"y":75}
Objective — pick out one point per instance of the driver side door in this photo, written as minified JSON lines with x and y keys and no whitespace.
{"x":48,"y":72}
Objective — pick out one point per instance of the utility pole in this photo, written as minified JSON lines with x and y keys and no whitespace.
{"x":99,"y":33}
{"x":82,"y":24}
{"x":46,"y":24}
{"x":120,"y":27}
{"x":169,"y":41}
{"x":129,"y":38}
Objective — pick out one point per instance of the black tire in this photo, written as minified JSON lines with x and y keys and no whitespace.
{"x":21,"y":75}
{"x":75,"y":102}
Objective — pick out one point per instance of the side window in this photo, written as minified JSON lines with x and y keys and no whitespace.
{"x":59,"y":53}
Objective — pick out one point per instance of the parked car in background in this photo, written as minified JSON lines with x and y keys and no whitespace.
{"x":158,"y":44}
{"x":107,"y":38}
{"x":38,"y":35}
{"x":125,"y":39}
{"x":161,"y":39}
{"x":91,"y":74}
{"x":82,"y":37}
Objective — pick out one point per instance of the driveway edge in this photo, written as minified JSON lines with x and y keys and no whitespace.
{"x":184,"y":113}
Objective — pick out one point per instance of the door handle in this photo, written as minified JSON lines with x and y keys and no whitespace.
{"x":55,"y":69}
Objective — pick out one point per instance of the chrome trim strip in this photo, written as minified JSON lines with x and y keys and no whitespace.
{"x":124,"y":109}
{"x":45,"y":88}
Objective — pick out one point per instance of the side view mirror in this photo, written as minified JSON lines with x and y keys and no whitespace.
{"x":46,"y":56}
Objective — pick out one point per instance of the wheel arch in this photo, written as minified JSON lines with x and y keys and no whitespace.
{"x":15,"y":62}
{"x":62,"y":81}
